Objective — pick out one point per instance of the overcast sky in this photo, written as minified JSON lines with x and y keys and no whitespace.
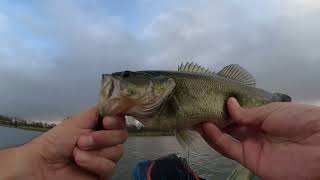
{"x":53,"y":52}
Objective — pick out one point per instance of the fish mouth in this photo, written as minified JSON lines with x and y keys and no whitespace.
{"x":111,"y":102}
{"x":110,"y":86}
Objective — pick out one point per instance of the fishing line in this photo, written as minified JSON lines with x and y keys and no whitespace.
{"x":188,"y":161}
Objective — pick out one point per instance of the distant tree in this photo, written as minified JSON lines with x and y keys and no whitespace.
{"x":16,"y":121}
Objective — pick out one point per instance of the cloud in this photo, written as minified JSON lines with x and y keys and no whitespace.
{"x":51,"y":67}
{"x":277,"y":42}
{"x":36,"y":85}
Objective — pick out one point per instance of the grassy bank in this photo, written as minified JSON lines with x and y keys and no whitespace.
{"x":30,"y":128}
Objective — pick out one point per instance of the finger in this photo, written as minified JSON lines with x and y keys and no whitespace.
{"x":87,"y":119}
{"x":113,"y":153}
{"x":101,"y":139}
{"x":95,"y":164}
{"x":116,"y":122}
{"x":214,"y":146}
{"x":236,"y":131}
{"x":225,"y":143}
{"x":241,"y":133}
{"x":252,"y":116}
{"x":198,"y":128}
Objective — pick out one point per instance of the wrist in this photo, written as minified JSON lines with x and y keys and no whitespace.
{"x":29,"y":158}
{"x":19,"y":163}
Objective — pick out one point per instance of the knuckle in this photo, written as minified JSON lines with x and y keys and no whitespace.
{"x":123,"y":135}
{"x":109,"y":168}
{"x":111,"y":137}
{"x":114,"y":153}
{"x":219,"y":140}
{"x":105,"y":166}
{"x":239,"y":116}
{"x":237,"y":112}
{"x":120,"y":150}
{"x":240,"y":119}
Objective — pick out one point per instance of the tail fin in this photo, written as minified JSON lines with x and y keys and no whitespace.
{"x":279,"y":97}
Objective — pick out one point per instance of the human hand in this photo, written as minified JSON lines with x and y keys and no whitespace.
{"x":73,"y":150}
{"x":275,"y":141}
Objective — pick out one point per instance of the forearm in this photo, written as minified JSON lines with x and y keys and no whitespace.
{"x":16,"y":163}
{"x":9,"y":166}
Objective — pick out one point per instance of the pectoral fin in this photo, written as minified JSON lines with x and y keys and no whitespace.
{"x":158,"y":95}
{"x":184,"y":137}
{"x":240,"y":173}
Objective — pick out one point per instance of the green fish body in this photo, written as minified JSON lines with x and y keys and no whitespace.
{"x":181,"y":99}
{"x":201,"y":97}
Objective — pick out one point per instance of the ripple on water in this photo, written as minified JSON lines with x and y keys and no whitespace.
{"x":203,"y":160}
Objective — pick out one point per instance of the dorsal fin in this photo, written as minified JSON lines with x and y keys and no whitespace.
{"x":236,"y":72}
{"x":194,"y":68}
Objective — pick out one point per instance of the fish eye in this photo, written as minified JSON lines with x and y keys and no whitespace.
{"x":125,"y":74}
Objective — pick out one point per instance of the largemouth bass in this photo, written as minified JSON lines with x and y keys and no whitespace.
{"x":181,"y":99}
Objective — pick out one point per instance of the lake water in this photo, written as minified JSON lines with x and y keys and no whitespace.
{"x":203,"y":160}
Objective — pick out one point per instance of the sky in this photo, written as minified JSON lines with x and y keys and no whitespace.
{"x":53,"y":52}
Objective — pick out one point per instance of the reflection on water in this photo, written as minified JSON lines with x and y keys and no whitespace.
{"x":207,"y":163}
{"x":10,"y":137}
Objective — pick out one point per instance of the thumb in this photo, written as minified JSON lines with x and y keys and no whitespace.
{"x":250,"y":117}
{"x":87,"y":119}
{"x":222,"y":142}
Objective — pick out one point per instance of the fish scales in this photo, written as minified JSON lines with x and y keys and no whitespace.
{"x":199,"y":97}
{"x":181,"y":99}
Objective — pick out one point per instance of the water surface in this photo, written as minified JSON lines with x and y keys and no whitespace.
{"x":10,"y":137}
{"x":203,"y":160}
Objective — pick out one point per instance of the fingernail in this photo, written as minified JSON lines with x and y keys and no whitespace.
{"x":113,"y":123}
{"x":107,"y":121}
{"x":85,"y":142}
{"x":107,"y":118}
{"x":234,"y":102}
{"x":207,"y":125}
{"x":82,"y":157}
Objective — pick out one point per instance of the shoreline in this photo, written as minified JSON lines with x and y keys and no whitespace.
{"x":29,"y":128}
{"x":131,"y":134}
